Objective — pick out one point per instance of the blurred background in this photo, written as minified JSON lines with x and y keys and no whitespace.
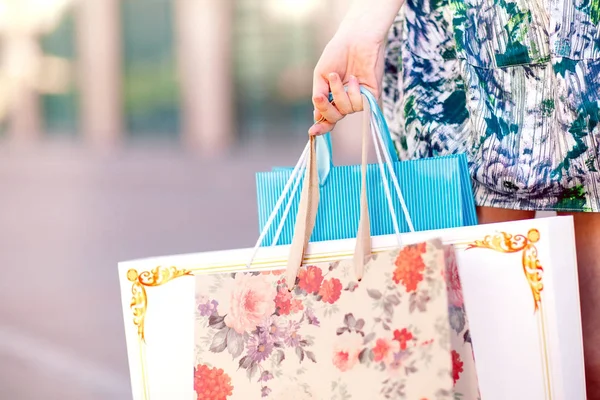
{"x":128,"y":129}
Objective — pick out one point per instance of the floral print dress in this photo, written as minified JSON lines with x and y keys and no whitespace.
{"x":514,"y":84}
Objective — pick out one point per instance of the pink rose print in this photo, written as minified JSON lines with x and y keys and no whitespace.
{"x":252,"y":300}
{"x":331,"y":290}
{"x":310,"y":279}
{"x":455,"y":295}
{"x":347,"y":350}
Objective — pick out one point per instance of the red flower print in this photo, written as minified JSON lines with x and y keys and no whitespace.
{"x":310,"y":279}
{"x":331,"y":290}
{"x":410,"y":267}
{"x":455,"y":294}
{"x":381,"y":350}
{"x":403,"y":337}
{"x":283,"y":301}
{"x":212,"y":383}
{"x":284,"y":308}
{"x":457,"y":366}
{"x":296,"y":306}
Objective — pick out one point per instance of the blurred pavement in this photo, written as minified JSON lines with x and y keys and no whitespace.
{"x":67,"y":218}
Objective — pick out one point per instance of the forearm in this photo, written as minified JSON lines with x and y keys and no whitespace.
{"x":372,"y":16}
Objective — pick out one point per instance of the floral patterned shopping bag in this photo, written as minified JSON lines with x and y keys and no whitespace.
{"x":400,"y":333}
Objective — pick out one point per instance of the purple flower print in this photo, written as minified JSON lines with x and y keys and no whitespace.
{"x":208,"y":309}
{"x":399,"y":357}
{"x":312,"y":318}
{"x":260,"y":347}
{"x":273,"y":328}
{"x":265,"y":376}
{"x":265,"y":391}
{"x":292,"y":338}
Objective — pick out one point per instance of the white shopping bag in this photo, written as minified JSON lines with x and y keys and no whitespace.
{"x":525,"y":328}
{"x":519,"y":287}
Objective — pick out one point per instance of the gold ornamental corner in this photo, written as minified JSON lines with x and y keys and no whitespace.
{"x":507,"y":243}
{"x":153,"y":278}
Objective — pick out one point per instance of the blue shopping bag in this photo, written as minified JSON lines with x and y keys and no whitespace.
{"x":437,"y":193}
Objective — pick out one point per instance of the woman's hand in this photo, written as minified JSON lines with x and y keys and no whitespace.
{"x":353,"y":57}
{"x":345,"y":61}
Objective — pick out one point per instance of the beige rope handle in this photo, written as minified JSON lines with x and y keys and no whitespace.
{"x":309,"y":204}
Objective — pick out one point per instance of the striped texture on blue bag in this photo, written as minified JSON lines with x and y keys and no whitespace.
{"x":437,"y":192}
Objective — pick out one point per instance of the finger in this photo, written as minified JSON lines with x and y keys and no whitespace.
{"x":321,"y":99}
{"x":328,"y":110}
{"x":321,"y":128}
{"x":354,"y":95}
{"x":320,"y":87}
{"x":341,"y":99}
{"x":317,"y":116}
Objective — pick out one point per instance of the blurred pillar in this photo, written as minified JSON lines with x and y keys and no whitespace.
{"x":24,"y":118}
{"x":99,"y":68}
{"x":25,"y":122}
{"x":204,"y":30}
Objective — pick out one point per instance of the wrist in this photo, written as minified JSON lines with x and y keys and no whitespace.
{"x":370,"y":18}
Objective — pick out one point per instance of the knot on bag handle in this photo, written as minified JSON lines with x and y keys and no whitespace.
{"x":309,"y":203}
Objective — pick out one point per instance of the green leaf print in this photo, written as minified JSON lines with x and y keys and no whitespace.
{"x":499,"y":127}
{"x":565,"y":65}
{"x":404,"y":143}
{"x":547,"y":107}
{"x":572,"y":199}
{"x":591,"y":164}
{"x":459,"y":9}
{"x":577,"y":150}
{"x":516,"y":28}
{"x":409,"y":110}
{"x":449,"y":54}
{"x":595,"y":12}
{"x":592,"y":9}
{"x":585,"y":123}
{"x":592,"y":111}
{"x":454,"y":109}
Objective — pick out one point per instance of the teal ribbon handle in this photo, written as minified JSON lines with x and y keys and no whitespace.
{"x":324,"y":147}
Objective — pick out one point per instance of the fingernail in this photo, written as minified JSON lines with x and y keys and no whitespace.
{"x":333,"y":76}
{"x":353,"y":78}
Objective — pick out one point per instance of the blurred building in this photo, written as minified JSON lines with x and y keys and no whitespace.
{"x":209,"y":74}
